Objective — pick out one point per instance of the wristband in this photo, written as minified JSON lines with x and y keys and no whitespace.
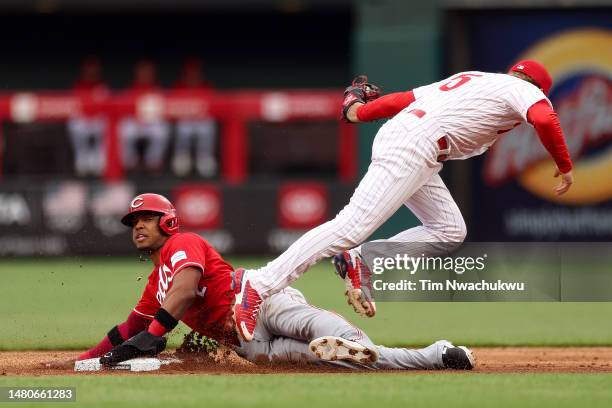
{"x":114,"y":335}
{"x":165,"y":319}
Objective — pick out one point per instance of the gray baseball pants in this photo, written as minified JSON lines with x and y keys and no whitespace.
{"x":287,"y":324}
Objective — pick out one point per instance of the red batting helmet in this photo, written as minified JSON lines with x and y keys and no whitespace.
{"x":536,"y":71}
{"x":154,"y":203}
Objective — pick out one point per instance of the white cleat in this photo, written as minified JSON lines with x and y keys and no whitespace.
{"x":332,"y":348}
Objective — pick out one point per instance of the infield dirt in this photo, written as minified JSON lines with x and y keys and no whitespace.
{"x":489,"y":360}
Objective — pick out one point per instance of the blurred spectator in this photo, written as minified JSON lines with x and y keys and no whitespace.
{"x":145,"y":77}
{"x":147,"y":135}
{"x":87,"y":132}
{"x":192,"y":77}
{"x":200,"y":132}
{"x":90,"y":79}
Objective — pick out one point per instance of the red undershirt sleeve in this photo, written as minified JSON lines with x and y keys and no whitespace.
{"x":546,"y":123}
{"x":133,"y":325}
{"x":385,"y":107}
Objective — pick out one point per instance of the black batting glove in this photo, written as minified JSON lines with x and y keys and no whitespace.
{"x":144,"y":344}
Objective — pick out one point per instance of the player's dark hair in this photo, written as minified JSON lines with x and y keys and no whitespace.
{"x":524,"y":77}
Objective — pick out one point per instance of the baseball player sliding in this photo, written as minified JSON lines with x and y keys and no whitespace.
{"x":454,"y":119}
{"x":191,"y":282}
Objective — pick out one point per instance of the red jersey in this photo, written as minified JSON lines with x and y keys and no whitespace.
{"x":211,"y":312}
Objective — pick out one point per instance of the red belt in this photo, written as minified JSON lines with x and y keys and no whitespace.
{"x":444,"y":149}
{"x":442,"y":142}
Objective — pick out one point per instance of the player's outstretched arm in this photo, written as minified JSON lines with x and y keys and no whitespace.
{"x":117,"y":335}
{"x":363,"y":102}
{"x":361,"y":91}
{"x":384,"y":107}
{"x":151,"y":341}
{"x":546,"y":123}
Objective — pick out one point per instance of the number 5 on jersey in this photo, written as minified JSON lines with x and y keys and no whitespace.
{"x":457,"y":81}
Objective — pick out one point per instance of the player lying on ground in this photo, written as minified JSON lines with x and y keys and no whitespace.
{"x":191,"y":282}
{"x":454,"y":119}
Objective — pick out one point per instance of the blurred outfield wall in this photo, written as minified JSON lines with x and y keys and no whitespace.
{"x":291,"y":181}
{"x":397,"y":45}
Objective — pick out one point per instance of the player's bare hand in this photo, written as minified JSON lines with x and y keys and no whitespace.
{"x":59,"y":364}
{"x":567,"y":179}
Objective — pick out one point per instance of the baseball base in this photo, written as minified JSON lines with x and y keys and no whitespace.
{"x":136,"y":364}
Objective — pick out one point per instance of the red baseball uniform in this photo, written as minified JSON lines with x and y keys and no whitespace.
{"x":211,"y":312}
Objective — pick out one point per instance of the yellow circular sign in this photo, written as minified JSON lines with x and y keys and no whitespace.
{"x":568,"y":54}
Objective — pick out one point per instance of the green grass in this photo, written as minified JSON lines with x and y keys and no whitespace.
{"x":324,"y":390}
{"x":71,"y":303}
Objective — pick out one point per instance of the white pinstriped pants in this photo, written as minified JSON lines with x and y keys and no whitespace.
{"x":404,"y":171}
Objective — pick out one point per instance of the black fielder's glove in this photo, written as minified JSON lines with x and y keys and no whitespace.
{"x":144,"y":344}
{"x":359,"y":91}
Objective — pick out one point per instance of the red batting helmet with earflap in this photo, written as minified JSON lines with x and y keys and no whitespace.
{"x":155,"y":203}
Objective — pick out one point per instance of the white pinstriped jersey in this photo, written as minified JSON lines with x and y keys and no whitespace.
{"x":474,"y":108}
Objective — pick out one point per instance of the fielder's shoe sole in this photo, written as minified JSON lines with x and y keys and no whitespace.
{"x":361,"y":304}
{"x":332,"y":348}
{"x":458,"y":358}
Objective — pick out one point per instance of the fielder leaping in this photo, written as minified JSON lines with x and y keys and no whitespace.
{"x":454,"y":119}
